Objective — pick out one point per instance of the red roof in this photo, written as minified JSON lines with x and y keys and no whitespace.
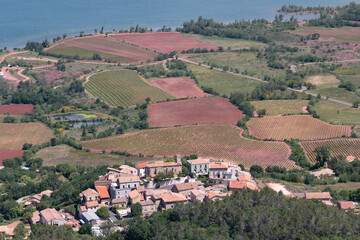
{"x":240,"y":185}
{"x":346,"y":205}
{"x":141,"y":165}
{"x":318,"y":195}
{"x":103,"y":192}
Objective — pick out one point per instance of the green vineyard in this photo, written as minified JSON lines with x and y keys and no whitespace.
{"x":123,"y":88}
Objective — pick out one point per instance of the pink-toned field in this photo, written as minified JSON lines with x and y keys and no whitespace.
{"x":6,"y":154}
{"x":107,"y":45}
{"x":193,"y":111}
{"x":16,"y":109}
{"x":215,"y":141}
{"x":163,"y":42}
{"x":343,"y":147}
{"x":348,"y":34}
{"x":181,"y":87}
{"x":302,"y":127}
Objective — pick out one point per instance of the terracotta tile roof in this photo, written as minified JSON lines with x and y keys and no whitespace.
{"x":173,"y":197}
{"x":140,"y":189}
{"x":92,"y":204}
{"x":141,"y":165}
{"x":346,"y":205}
{"x":197,"y":192}
{"x":119,"y":200}
{"x":350,"y":158}
{"x":244,"y":178}
{"x":50,"y":214}
{"x":127,"y":179}
{"x":163,"y":164}
{"x":240,"y":185}
{"x":147,"y":203}
{"x":134,"y":193}
{"x":318,"y":195}
{"x":219,"y":165}
{"x":212,"y":195}
{"x":35,"y":217}
{"x":156,"y":193}
{"x":83,"y":208}
{"x":187,"y":186}
{"x":199,"y":161}
{"x":9,"y":229}
{"x":103,"y":192}
{"x":89,"y":192}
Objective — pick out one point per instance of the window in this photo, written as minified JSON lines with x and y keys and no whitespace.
{"x":172,"y":206}
{"x":145,"y":210}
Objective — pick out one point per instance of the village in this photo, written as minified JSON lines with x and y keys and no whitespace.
{"x":127,"y":191}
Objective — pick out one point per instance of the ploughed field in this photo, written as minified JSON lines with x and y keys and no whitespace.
{"x":16,"y":109}
{"x":302,"y":127}
{"x":193,"y":111}
{"x":281,"y":107}
{"x":344,"y":147}
{"x":123,"y":88}
{"x":163,"y":42}
{"x":219,"y":141}
{"x":106,"y":47}
{"x":7,"y":154}
{"x":14,"y":135}
{"x":180,"y":87}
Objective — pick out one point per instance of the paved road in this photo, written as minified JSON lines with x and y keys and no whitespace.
{"x":260,"y":80}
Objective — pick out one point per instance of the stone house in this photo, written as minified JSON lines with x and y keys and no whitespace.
{"x":199,"y":166}
{"x":50,"y":216}
{"x":148,"y":208}
{"x":152,"y":169}
{"x":168,"y":200}
{"x":89,"y":195}
{"x":123,"y":186}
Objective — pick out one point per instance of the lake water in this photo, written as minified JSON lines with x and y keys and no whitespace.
{"x":35,"y":20}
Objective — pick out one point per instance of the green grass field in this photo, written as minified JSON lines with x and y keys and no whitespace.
{"x":123,"y":88}
{"x":223,"y":83}
{"x":233,"y":43}
{"x":280,"y":107}
{"x":337,"y":113}
{"x":86,"y":53}
{"x":247,"y":63}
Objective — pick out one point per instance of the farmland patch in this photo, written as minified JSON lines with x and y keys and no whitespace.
{"x":280,"y":107}
{"x":16,"y":109}
{"x":199,"y":111}
{"x":6,"y":154}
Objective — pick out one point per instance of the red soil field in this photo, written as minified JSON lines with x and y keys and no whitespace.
{"x":302,"y":127}
{"x":108,"y":45}
{"x":214,"y":141}
{"x":193,"y":111}
{"x":5,"y":154}
{"x":163,"y":42}
{"x":181,"y":87}
{"x":16,"y":109}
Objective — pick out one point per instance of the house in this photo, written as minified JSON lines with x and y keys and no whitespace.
{"x":50,"y":216}
{"x":212,"y":196}
{"x":148,"y":208}
{"x":90,"y":217}
{"x":121,"y":202}
{"x":155,"y":195}
{"x":186,"y":188}
{"x":134,"y":196}
{"x":125,"y":169}
{"x":9,"y":229}
{"x":197,"y":195}
{"x":223,"y":172}
{"x":124,"y":185}
{"x":141,"y":169}
{"x":35,"y":199}
{"x":199,"y":166}
{"x":89,"y":195}
{"x":346,"y":205}
{"x":104,"y":194}
{"x":236,"y":185}
{"x":325,"y":197}
{"x":169,"y":199}
{"x":152,"y":169}
{"x":323,"y":172}
{"x":35,"y":217}
{"x":123,"y":212}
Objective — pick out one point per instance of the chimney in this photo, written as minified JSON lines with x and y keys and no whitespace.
{"x":178,"y":158}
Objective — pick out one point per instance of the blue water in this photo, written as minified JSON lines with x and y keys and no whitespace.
{"x":34,"y":20}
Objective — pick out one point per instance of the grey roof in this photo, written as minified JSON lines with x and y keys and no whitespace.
{"x":90,"y":216}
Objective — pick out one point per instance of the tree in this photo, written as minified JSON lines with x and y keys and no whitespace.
{"x":148,"y":100}
{"x":81,"y":33}
{"x":95,"y":31}
{"x":64,"y":36}
{"x":96,"y":56}
{"x":107,"y":228}
{"x":261,"y":112}
{"x":136,"y":210}
{"x":103,"y":212}
{"x":85,"y":229}
{"x":20,"y":231}
{"x":322,"y":155}
{"x":102,"y":30}
{"x":356,"y":104}
{"x":256,"y":171}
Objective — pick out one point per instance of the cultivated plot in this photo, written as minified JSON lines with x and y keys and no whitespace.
{"x":16,"y":109}
{"x":281,"y":107}
{"x":216,"y":141}
{"x":193,"y":111}
{"x":123,"y":88}
{"x":303,"y":127}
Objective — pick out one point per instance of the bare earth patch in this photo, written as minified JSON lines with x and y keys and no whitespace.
{"x":277,"y":187}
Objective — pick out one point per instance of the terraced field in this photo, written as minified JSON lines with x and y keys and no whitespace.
{"x":280,"y":107}
{"x":217,"y":141}
{"x":14,"y":135}
{"x":344,"y":147}
{"x":302,"y":127}
{"x":123,"y":88}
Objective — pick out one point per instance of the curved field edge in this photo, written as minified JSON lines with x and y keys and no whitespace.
{"x":123,"y":88}
{"x":302,"y":127}
{"x":345,"y":147}
{"x":215,"y":141}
